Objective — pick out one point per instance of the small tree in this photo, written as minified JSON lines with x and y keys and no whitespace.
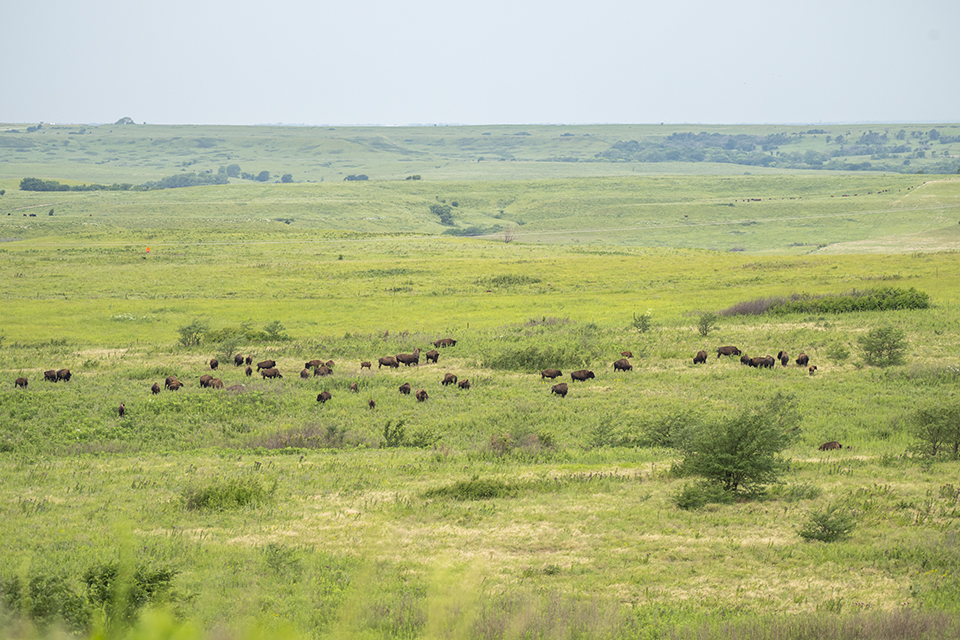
{"x":883,"y":346}
{"x":263,"y":176}
{"x":287,"y":177}
{"x":642,"y":323}
{"x":706,"y":323}
{"x":937,"y":427}
{"x":509,"y":233}
{"x":191,"y":335}
{"x":829,"y":525}
{"x":275,"y":332}
{"x":233,"y":171}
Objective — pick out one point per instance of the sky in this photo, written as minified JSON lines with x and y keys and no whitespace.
{"x":401,"y":62}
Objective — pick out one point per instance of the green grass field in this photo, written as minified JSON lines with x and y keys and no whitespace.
{"x":351,"y":524}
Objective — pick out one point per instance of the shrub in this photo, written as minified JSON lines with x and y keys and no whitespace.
{"x":46,"y":600}
{"x":828,"y":525}
{"x":123,"y":596}
{"x":883,"y":346}
{"x":192,"y":334}
{"x":233,"y":493}
{"x":474,"y":489}
{"x":706,"y":323}
{"x":937,"y":428}
{"x":642,"y":322}
{"x":696,"y":495}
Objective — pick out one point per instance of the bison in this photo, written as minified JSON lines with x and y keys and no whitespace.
{"x":20,"y":383}
{"x":266,"y":364}
{"x":175,"y":385}
{"x":559,"y":389}
{"x":313,"y":364}
{"x":830,"y":446}
{"x":322,"y":370}
{"x":763,"y":362}
{"x":50,"y":375}
{"x":626,"y":354}
{"x":432,"y":356}
{"x":449,"y":379}
{"x":354,"y":387}
{"x":405,"y":388}
{"x":248,"y":360}
{"x":329,"y":363}
{"x":812,"y":369}
{"x":270,"y":372}
{"x":784,"y":358}
{"x":238,"y":360}
{"x":445,"y":342}
{"x":155,"y":389}
{"x":582,"y":375}
{"x":422,"y":395}
{"x":464,"y":384}
{"x":388,"y":361}
{"x":205,"y":381}
{"x":745,"y":360}
{"x":63,"y":374}
{"x":216,"y":383}
{"x":305,"y":373}
{"x":550,"y":373}
{"x":366,"y":364}
{"x":622,"y":365}
{"x":214,"y":363}
{"x":410,"y":358}
{"x":248,"y":371}
{"x":371,"y":403}
{"x":323,"y":396}
{"x":727,"y":351}
{"x":121,"y":410}
{"x":170,"y":380}
{"x":700,"y":358}
{"x":803,"y":360}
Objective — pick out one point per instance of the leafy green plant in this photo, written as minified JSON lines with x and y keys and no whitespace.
{"x":192,"y":334}
{"x":883,"y":346}
{"x":394,"y":435}
{"x":123,"y":596}
{"x":643,"y":322}
{"x":475,"y":488}
{"x":827,"y":525}
{"x":696,"y":495}
{"x":936,"y":427}
{"x":706,"y":323}
{"x":226,"y":494}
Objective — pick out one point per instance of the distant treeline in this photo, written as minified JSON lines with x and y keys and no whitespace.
{"x":170,"y":182}
{"x":880,"y":299}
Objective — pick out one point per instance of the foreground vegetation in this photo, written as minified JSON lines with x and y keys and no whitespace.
{"x":502,"y":510}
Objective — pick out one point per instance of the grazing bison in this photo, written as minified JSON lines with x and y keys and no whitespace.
{"x":372,"y":404}
{"x":155,"y":389}
{"x":803,"y":360}
{"x":266,"y":364}
{"x":50,"y":375}
{"x":626,"y":354}
{"x":410,"y":358}
{"x":354,"y":387}
{"x":700,"y":358}
{"x":313,"y":364}
{"x":582,"y":375}
{"x":464,"y":384}
{"x":205,"y":381}
{"x":63,"y":374}
{"x":270,"y":372}
{"x":784,"y":358}
{"x":248,"y":371}
{"x":121,"y":410}
{"x":422,"y":395}
{"x":550,"y":373}
{"x":622,"y":365}
{"x":216,"y":383}
{"x":763,"y":362}
{"x":323,"y":396}
{"x":432,"y":356}
{"x":238,"y":360}
{"x":20,"y":383}
{"x":812,"y":369}
{"x":329,"y":363}
{"x":830,"y":446}
{"x":449,"y":379}
{"x":727,"y":351}
{"x":388,"y":361}
{"x":248,"y":360}
{"x":170,"y":380}
{"x":405,"y":388}
{"x":214,"y":363}
{"x":559,"y":389}
{"x":445,"y":342}
{"x":322,"y":370}
{"x":175,"y":385}
{"x":745,"y":360}
{"x":366,"y":364}
{"x":305,"y":373}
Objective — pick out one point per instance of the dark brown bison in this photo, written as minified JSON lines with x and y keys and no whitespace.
{"x":445,"y":342}
{"x":248,"y":371}
{"x":763,"y":362}
{"x":155,"y":389}
{"x":270,"y":372}
{"x":170,"y":380}
{"x":323,"y":396}
{"x":784,"y":358}
{"x":388,"y":361}
{"x":63,"y":374}
{"x":582,"y":375}
{"x":248,"y":360}
{"x":700,"y":358}
{"x":329,"y":363}
{"x":354,"y":387}
{"x":422,"y":395}
{"x":627,"y":354}
{"x":745,"y":360}
{"x":622,"y":365}
{"x":803,"y":360}
{"x":238,"y":360}
{"x":313,"y":364}
{"x":550,"y":373}
{"x":830,"y":446}
{"x":205,"y":380}
{"x":405,"y":388}
{"x":20,"y":383}
{"x":305,"y":373}
{"x":727,"y":351}
{"x":432,"y":356}
{"x":371,"y":403}
{"x":175,"y":385}
{"x":410,"y":358}
{"x":323,"y":370}
{"x":266,"y":364}
{"x":366,"y":364}
{"x":50,"y":375}
{"x":214,"y":363}
{"x":559,"y":389}
{"x":812,"y":369}
{"x":121,"y":410}
{"x":216,"y":383}
{"x":449,"y":379}
{"x":464,"y":384}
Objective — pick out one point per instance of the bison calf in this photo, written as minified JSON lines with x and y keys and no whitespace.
{"x":324,"y":396}
{"x":305,"y":373}
{"x":121,"y":410}
{"x":372,"y":404}
{"x":155,"y":389}
{"x":248,"y":371}
{"x":559,"y":389}
{"x":422,"y":395}
{"x":354,"y":387}
{"x":405,"y":388}
{"x":464,"y":384}
{"x":700,"y":358}
{"x":366,"y":365}
{"x":626,"y":354}
{"x":449,"y":379}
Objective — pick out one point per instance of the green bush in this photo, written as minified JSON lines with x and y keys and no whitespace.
{"x":936,"y":427}
{"x":828,"y":525}
{"x":474,"y":489}
{"x":46,"y":600}
{"x":121,"y":596}
{"x":232,"y":493}
{"x":883,"y":346}
{"x":696,"y":495}
{"x":706,"y":323}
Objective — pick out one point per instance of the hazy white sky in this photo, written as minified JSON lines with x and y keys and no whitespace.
{"x":493,"y":62}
